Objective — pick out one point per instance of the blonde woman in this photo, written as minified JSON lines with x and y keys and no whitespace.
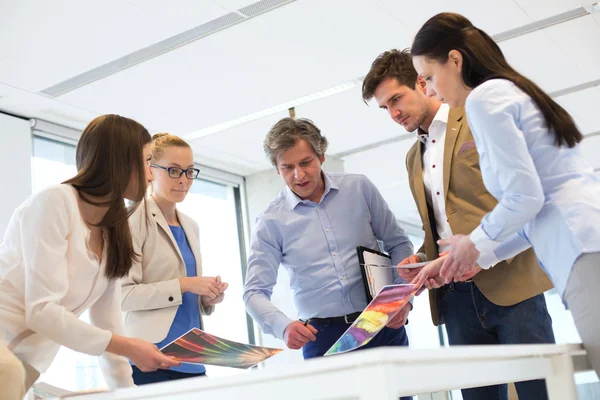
{"x":62,"y":254}
{"x":165,"y":294}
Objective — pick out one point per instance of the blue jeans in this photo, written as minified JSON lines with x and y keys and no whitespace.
{"x":472,"y":319}
{"x":161,"y":375}
{"x":329,"y":333}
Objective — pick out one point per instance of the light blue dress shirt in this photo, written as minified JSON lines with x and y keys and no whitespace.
{"x":316,"y":243}
{"x":548,"y":196}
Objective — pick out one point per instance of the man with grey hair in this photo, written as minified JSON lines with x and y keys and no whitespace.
{"x":312,"y":229}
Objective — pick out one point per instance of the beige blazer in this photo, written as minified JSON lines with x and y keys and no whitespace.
{"x":151,"y":292}
{"x":467,"y":201}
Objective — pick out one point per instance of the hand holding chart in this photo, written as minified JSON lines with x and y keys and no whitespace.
{"x":199,"y":347}
{"x":374,"y":318}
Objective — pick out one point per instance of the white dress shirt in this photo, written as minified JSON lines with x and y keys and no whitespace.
{"x":548,"y":196}
{"x":48,"y":278}
{"x":433,"y":171}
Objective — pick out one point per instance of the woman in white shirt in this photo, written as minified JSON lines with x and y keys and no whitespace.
{"x":165,"y":294}
{"x":62,"y":254}
{"x":530,"y":159}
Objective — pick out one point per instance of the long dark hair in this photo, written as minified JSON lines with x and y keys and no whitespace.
{"x":110,"y":148}
{"x":483,"y":60}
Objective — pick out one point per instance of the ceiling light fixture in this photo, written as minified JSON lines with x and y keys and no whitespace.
{"x":593,"y":8}
{"x":273,"y":110}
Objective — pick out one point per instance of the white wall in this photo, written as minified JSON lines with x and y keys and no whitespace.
{"x":261,"y":188}
{"x":15,"y":165}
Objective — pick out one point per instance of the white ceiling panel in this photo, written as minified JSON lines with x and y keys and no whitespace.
{"x":493,"y":16}
{"x":185,"y":9}
{"x":64,"y":38}
{"x":597,"y":17}
{"x":34,"y":105}
{"x":232,"y":5}
{"x":348,"y":122}
{"x":578,"y":41}
{"x":540,"y":9}
{"x":265,"y":61}
{"x":537,"y":57}
{"x":583,"y":106}
{"x":296,"y":50}
{"x":385,"y":167}
{"x":241,"y":145}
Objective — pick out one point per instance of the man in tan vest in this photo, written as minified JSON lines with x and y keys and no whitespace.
{"x":502,"y":305}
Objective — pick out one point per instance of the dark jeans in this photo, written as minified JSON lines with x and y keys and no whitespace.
{"x":329,"y":333}
{"x":472,"y":319}
{"x":161,"y":375}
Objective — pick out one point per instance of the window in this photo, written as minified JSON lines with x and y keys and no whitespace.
{"x":214,"y":206}
{"x":52,"y":162}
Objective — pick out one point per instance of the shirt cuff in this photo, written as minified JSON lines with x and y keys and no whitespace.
{"x":281,"y":322}
{"x":487,"y":258}
{"x":422,"y":256}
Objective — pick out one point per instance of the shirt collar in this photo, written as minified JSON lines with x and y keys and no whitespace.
{"x":441,"y":116}
{"x":292,"y":199}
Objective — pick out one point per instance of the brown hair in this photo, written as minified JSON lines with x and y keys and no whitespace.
{"x":160,"y":141}
{"x":483,"y":60}
{"x":110,"y":148}
{"x":394,"y":64}
{"x":285,"y":134}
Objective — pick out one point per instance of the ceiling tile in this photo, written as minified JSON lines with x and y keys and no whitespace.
{"x":241,"y":145}
{"x":348,"y":122}
{"x":540,"y":9}
{"x":233,"y":5}
{"x":199,"y":11}
{"x":578,"y":41}
{"x":537,"y":57}
{"x":583,"y":106}
{"x":493,"y":16}
{"x":64,"y":38}
{"x":263,"y":62}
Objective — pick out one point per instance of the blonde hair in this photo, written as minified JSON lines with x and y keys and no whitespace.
{"x":161,"y":141}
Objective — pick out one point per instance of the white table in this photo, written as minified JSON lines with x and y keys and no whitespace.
{"x":382,"y":373}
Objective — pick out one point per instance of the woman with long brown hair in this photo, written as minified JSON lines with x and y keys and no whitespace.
{"x":63,"y":253}
{"x":530,"y":159}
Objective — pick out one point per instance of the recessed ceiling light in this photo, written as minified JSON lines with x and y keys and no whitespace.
{"x":593,"y":8}
{"x":273,"y":110}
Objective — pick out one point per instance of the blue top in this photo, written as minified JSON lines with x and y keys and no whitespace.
{"x":548,"y":196}
{"x":188,"y":312}
{"x":316,"y":243}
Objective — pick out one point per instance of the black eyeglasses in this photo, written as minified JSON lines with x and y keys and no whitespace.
{"x":176,"y":172}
